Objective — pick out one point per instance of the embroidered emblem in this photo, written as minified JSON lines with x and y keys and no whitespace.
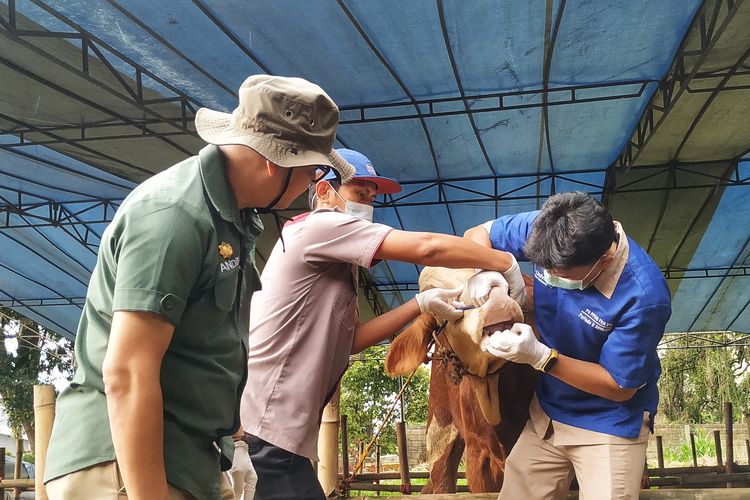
{"x":225,"y":250}
{"x":592,"y":319}
{"x":370,"y":168}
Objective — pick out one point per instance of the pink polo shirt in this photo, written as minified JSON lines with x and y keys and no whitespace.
{"x":302,"y":326}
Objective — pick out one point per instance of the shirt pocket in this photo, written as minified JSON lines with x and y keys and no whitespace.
{"x":225,"y":291}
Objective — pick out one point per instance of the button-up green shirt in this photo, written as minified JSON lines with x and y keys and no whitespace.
{"x":179,"y":247}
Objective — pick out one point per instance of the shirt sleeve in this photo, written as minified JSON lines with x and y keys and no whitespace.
{"x":158,"y":254}
{"x":335,"y":237}
{"x":629,"y":353}
{"x":509,"y":233}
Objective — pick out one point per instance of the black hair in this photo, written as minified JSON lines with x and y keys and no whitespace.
{"x":313,"y":200}
{"x":573,"y":229}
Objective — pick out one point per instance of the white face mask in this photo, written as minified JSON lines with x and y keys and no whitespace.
{"x":569,"y":284}
{"x":359,"y":210}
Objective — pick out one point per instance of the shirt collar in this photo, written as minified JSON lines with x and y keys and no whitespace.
{"x":607,"y":280}
{"x":216,"y":184}
{"x":220,"y":193}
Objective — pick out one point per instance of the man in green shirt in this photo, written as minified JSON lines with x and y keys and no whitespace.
{"x":161,"y":345}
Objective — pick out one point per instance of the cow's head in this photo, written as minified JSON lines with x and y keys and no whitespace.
{"x":463,"y":337}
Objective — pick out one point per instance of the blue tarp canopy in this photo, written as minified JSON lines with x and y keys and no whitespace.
{"x":480,"y":109}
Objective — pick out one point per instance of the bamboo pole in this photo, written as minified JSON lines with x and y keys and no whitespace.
{"x":692,"y":450}
{"x":2,"y":471}
{"x":717,"y":443}
{"x":344,"y":447}
{"x":44,"y":417}
{"x":729,"y":429}
{"x":403,"y":458}
{"x":328,"y":443}
{"x":17,"y":467}
{"x":659,"y":452}
{"x":19,"y":484}
{"x":377,"y":465}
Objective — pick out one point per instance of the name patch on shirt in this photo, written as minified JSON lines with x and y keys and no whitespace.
{"x":230,"y":264}
{"x":590,"y":318}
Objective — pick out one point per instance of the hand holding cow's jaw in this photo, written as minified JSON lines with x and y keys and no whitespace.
{"x":510,"y":281}
{"x":518,"y":344}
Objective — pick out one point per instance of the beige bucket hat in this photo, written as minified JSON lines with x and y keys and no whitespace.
{"x":289,"y":121}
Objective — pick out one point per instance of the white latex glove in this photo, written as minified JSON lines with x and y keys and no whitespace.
{"x":478,"y":287}
{"x":438,"y":301}
{"x":519,"y":344}
{"x":516,"y":285}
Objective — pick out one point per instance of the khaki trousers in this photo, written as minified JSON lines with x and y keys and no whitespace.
{"x":103,"y":481}
{"x":542,"y":467}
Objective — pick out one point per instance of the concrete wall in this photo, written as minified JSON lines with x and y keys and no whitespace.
{"x":672,"y":436}
{"x":416,"y":445}
{"x":9,"y":443}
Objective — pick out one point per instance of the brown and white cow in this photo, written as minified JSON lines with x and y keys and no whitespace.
{"x":486,"y":410}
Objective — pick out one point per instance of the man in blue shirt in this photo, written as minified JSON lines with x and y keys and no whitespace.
{"x":601,"y":305}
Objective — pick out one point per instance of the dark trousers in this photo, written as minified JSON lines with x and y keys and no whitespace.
{"x":282,"y":474}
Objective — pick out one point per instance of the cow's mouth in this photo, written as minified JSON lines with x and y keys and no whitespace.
{"x":496,"y":327}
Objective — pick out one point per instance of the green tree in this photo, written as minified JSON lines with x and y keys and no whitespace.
{"x":696,"y":382}
{"x":29,"y":354}
{"x":367,"y":394}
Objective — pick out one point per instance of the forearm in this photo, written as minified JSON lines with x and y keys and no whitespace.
{"x":384,"y":326}
{"x":589,"y":377}
{"x":137,"y":423}
{"x":455,"y":252}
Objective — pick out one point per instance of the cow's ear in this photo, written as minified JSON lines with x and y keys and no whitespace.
{"x":409,"y":349}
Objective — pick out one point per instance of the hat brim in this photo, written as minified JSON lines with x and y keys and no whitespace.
{"x":384,"y":184}
{"x":216,"y":128}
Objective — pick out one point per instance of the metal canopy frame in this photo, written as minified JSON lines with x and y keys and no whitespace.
{"x":712,"y":19}
{"x":711,"y":26}
{"x":704,"y":340}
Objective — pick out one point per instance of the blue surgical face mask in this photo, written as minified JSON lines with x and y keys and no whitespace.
{"x":569,"y":284}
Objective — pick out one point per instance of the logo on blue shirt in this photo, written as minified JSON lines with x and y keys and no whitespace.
{"x":590,"y":318}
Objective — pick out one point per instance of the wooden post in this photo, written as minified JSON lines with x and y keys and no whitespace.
{"x":747,"y":448}
{"x":403,"y":458}
{"x":44,"y":417}
{"x":729,"y":429}
{"x":344,"y":447}
{"x":2,"y":471}
{"x":377,"y":465}
{"x":717,"y":443}
{"x":328,"y":443}
{"x":659,"y":452}
{"x":692,"y":450}
{"x":17,"y":466}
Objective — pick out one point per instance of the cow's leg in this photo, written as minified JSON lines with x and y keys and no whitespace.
{"x":485,"y":465}
{"x":444,"y":450}
{"x":485,"y":455}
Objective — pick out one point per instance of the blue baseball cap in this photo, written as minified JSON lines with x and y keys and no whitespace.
{"x":364,"y":171}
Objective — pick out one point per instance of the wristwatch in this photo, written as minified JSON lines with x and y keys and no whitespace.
{"x":551,"y":360}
